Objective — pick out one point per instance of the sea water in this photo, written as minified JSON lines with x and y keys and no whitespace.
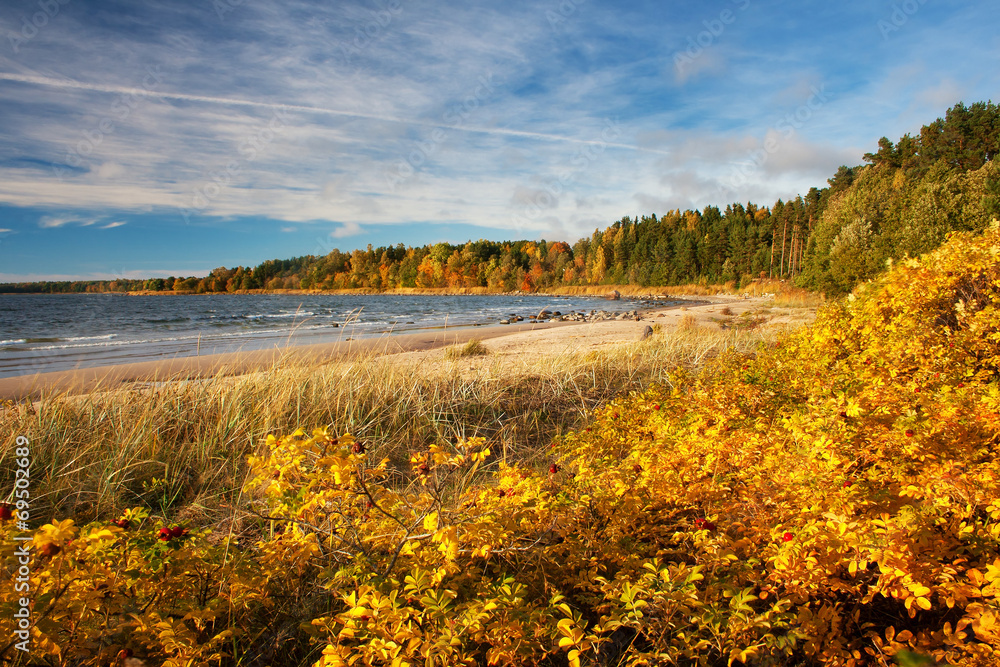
{"x":41,"y":333}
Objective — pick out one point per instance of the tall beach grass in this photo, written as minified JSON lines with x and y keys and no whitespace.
{"x":179,"y":448}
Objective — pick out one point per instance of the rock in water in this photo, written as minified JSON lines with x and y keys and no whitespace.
{"x":615,"y":295}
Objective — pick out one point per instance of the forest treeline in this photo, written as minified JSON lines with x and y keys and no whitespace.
{"x":902,"y":202}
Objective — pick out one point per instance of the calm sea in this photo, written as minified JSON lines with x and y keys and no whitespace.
{"x":41,"y":333}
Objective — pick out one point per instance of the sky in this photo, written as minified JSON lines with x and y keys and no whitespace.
{"x":155,"y":138}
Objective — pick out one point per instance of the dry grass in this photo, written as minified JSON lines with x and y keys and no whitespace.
{"x":688,"y":322}
{"x":785,"y":294}
{"x":804,"y":300}
{"x":180,"y":448}
{"x":474,"y":348}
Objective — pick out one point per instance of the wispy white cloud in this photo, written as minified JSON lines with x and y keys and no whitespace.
{"x":449,"y":112}
{"x":283,"y":107}
{"x":56,"y":221}
{"x":346,"y":230}
{"x":112,"y":225}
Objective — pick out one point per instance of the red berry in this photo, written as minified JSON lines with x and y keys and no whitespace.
{"x":909,"y":433}
{"x":847,"y":483}
{"x":6,"y":513}
{"x":787,"y":537}
{"x":637,"y":468}
{"x":960,"y":385}
{"x":50,"y":549}
{"x":122,"y":523}
{"x":424,"y":469}
{"x":177,"y":531}
{"x":704,"y":524}
{"x":588,"y":429}
{"x":358,"y":448}
{"x":553,"y":469}
{"x":501,"y":492}
{"x":165,"y":534}
{"x":656,"y":407}
{"x":843,"y":414}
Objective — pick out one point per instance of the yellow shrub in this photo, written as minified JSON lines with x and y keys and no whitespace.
{"x":832,"y":500}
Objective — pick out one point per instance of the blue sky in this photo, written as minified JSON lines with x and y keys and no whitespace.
{"x":161,"y":137}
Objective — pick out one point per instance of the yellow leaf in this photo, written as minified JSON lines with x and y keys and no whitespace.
{"x":448,"y":537}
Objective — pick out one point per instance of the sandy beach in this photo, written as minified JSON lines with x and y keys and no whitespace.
{"x":506,"y":341}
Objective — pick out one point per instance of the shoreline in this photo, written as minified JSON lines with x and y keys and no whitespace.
{"x":97,"y":378}
{"x":549,"y":338}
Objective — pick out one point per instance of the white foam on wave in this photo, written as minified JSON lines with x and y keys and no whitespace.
{"x":79,"y":338}
{"x":270,"y":316}
{"x":205,"y":338}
